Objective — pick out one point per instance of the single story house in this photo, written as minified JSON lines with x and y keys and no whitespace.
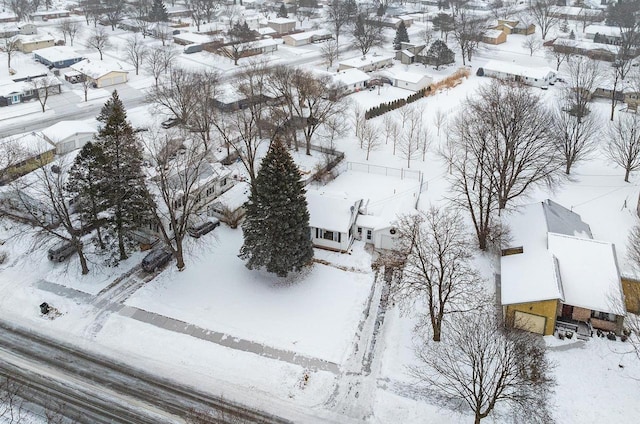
{"x":45,"y":15}
{"x":603,"y":34}
{"x":596,"y":51}
{"x":8,"y":16}
{"x":229,"y":206}
{"x":213,"y":180}
{"x":13,"y":92}
{"x":253,"y":48}
{"x":515,"y":27}
{"x":186,"y":38}
{"x":266,"y":32}
{"x":229,"y":98}
{"x":282,"y":25}
{"x":408,"y":52}
{"x":391,"y":22}
{"x":554,"y":274}
{"x":332,"y":218}
{"x":57,"y":56}
{"x":507,"y":71}
{"x":366,"y":63}
{"x":577,"y":13}
{"x":304,"y":38}
{"x":27,"y":28}
{"x":494,"y":36}
{"x":29,"y":151}
{"x":9,"y":30}
{"x":100,"y":73}
{"x":350,"y":81}
{"x":29,"y":43}
{"x":67,"y":136}
{"x":410,"y":80}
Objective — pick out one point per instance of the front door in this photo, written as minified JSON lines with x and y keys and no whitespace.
{"x":567,"y":311}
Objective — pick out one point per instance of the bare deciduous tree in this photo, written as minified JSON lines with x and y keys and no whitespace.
{"x":623,"y":144}
{"x":114,"y":11}
{"x":585,"y":76}
{"x":468,"y":31}
{"x":369,"y":137}
{"x":158,"y":61}
{"x":70,"y":28}
{"x":9,"y":47}
{"x":21,"y":8}
{"x":99,"y":40}
{"x":11,"y":402}
{"x":533,"y":44}
{"x":409,"y":143}
{"x":481,"y":365}
{"x":541,"y":12}
{"x":367,"y":33}
{"x":620,"y":69}
{"x":340,"y":14}
{"x":175,"y":199}
{"x":559,"y":56}
{"x":575,"y":138}
{"x":329,"y":52}
{"x":136,"y":51}
{"x":437,"y":270}
{"x":43,"y":87}
{"x":439,"y":119}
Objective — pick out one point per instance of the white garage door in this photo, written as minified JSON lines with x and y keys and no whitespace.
{"x":118,"y":80}
{"x":530,"y":322}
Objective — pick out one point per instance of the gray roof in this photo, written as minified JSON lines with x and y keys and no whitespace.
{"x":563,"y":221}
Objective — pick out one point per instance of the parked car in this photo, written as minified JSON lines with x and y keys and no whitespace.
{"x":155,"y":259}
{"x":202,"y":229}
{"x":171,"y":122}
{"x":61,"y":252}
{"x":193,"y":48}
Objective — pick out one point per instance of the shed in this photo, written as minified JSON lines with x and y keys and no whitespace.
{"x":494,"y":36}
{"x":410,"y":80}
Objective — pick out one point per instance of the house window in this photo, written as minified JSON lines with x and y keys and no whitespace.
{"x":603,"y":316}
{"x":368,"y":234}
{"x":327,"y":235}
{"x":359,"y":231}
{"x":15,"y":99}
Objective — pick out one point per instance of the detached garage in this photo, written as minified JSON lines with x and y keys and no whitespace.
{"x":100,"y":74}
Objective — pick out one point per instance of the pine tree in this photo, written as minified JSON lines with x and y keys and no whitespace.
{"x":439,"y":54}
{"x":158,"y":12}
{"x":86,"y":184}
{"x":282,"y":12}
{"x":401,"y":36}
{"x":126,"y":196}
{"x":276,"y":226}
{"x":572,"y":35}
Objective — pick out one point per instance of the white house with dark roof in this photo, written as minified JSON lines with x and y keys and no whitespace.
{"x":554,"y":274}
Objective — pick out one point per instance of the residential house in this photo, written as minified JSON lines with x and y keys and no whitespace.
{"x":332,"y":218}
{"x":494,"y":36}
{"x":366,"y":63}
{"x":45,"y":15}
{"x":515,"y":27}
{"x":596,"y":51}
{"x":304,"y":38}
{"x":23,"y":154}
{"x":230,"y":205}
{"x":253,"y":48}
{"x":27,"y":28}
{"x":7,"y":16}
{"x":213,"y":180}
{"x":9,"y":30}
{"x":507,"y":71}
{"x":350,"y":81}
{"x":67,"y":136}
{"x":230,"y":99}
{"x":604,"y":34}
{"x":282,"y":25}
{"x":391,"y":22}
{"x":186,"y":38}
{"x":554,"y":274}
{"x":57,"y":56}
{"x":408,"y":52}
{"x":13,"y":92}
{"x":101,"y":74}
{"x":29,"y":43}
{"x":577,"y":13}
{"x":412,"y":81}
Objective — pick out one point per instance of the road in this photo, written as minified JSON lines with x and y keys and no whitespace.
{"x":97,"y":389}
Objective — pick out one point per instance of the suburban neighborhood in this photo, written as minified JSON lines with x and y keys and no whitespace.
{"x":319,"y":211}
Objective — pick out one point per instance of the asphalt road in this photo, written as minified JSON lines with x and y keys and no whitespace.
{"x":97,"y":389}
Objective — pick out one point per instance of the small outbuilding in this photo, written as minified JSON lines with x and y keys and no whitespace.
{"x":410,"y":80}
{"x":67,"y":136}
{"x":494,"y":36}
{"x":282,"y":25}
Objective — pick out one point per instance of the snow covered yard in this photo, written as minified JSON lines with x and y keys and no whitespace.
{"x":316,"y":314}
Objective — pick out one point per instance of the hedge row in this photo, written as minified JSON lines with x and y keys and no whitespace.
{"x":383,"y":108}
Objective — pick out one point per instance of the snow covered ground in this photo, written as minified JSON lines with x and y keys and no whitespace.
{"x":318,"y":315}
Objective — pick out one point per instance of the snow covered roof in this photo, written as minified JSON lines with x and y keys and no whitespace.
{"x":65,"y":129}
{"x":267,"y":31}
{"x":514,"y":69}
{"x":57,"y":53}
{"x":351,"y":76}
{"x":190,"y":37}
{"x":330,"y":210}
{"x":308,"y":34}
{"x":95,"y":69}
{"x":34,"y":38}
{"x":589,"y":273}
{"x":559,"y":260}
{"x":586,"y":45}
{"x":412,"y":77}
{"x":8,"y":87}
{"x":235,"y":197}
{"x":359,"y":61}
{"x":609,"y":31}
{"x":281,"y":21}
{"x":493,"y":33}
{"x":22,"y":147}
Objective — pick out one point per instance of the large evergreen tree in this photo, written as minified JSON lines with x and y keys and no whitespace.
{"x":87,"y":185}
{"x":158,"y":12}
{"x":276,"y":227}
{"x":401,"y":36}
{"x":439,"y":54}
{"x":282,"y":12}
{"x":126,"y":195}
